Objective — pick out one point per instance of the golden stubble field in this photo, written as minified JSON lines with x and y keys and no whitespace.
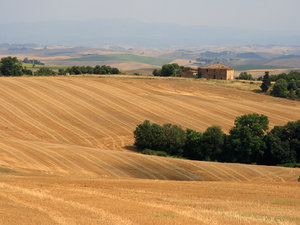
{"x":65,"y":154}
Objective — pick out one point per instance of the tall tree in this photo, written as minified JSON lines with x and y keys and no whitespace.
{"x":266,"y":82}
{"x":246,"y":138}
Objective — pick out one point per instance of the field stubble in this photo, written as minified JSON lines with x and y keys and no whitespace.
{"x":64,"y":160}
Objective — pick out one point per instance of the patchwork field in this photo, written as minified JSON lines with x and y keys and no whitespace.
{"x":66,"y":154}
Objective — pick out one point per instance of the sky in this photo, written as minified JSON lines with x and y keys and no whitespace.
{"x":254,"y":14}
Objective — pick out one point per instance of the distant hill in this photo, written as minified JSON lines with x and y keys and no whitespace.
{"x":123,"y":57}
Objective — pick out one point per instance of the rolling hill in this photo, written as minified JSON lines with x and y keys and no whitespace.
{"x":66,"y":154}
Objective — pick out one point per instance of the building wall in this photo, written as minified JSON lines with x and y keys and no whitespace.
{"x":220,"y":74}
{"x":230,"y":74}
{"x":189,"y":73}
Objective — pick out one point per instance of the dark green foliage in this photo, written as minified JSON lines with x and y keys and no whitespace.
{"x":213,"y":143}
{"x":283,"y":144}
{"x":26,"y":71}
{"x":286,"y":85}
{"x":246,"y":138}
{"x":61,"y":72}
{"x":175,"y":139}
{"x":168,"y":70}
{"x":245,"y":76}
{"x":248,"y":142}
{"x":152,"y":152}
{"x":193,"y":145}
{"x":44,"y":71}
{"x":149,"y":136}
{"x":10,"y":66}
{"x":280,"y":88}
{"x":266,"y":82}
{"x":156,"y":72}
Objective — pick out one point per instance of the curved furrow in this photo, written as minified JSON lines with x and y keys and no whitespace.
{"x":179,"y":103}
{"x":82,"y":109}
{"x":61,"y":115}
{"x":93,"y":98}
{"x":150,"y":108}
{"x":35,"y":112}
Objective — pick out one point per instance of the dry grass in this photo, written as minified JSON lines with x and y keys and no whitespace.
{"x":64,"y":160}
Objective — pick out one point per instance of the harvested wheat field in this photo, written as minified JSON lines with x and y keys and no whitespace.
{"x":65,"y":154}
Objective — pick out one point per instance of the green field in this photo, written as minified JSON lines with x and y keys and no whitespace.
{"x":124,"y":57}
{"x":53,"y":67}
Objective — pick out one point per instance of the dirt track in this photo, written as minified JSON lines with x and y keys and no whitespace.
{"x":64,"y":160}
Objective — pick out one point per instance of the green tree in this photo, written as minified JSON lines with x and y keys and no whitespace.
{"x":10,"y":66}
{"x":149,"y":136}
{"x":280,"y":88}
{"x":175,"y":139}
{"x":278,"y":147}
{"x":193,"y":145}
{"x":246,"y":142}
{"x":266,"y":82}
{"x":213,"y":143}
{"x":156,"y":72}
{"x":245,"y":76}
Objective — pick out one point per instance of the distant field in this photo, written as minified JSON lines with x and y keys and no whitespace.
{"x":257,"y":67}
{"x":124,"y":57}
{"x":67,"y":156}
{"x":29,"y":65}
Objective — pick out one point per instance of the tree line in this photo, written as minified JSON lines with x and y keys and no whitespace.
{"x":285,"y":86}
{"x":168,"y":70}
{"x":11,"y":66}
{"x":249,"y":141}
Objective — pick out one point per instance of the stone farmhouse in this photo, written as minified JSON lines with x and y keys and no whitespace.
{"x":214,"y":71}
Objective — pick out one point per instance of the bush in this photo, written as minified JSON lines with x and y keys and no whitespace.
{"x":45,"y":71}
{"x":245,"y":76}
{"x":152,"y":152}
{"x":280,"y":88}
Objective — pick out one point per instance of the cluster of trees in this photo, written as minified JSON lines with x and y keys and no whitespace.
{"x":286,"y":85}
{"x":32,"y":61}
{"x":245,"y":76}
{"x":11,"y":66}
{"x":168,"y":70}
{"x":76,"y":70}
{"x":248,"y":141}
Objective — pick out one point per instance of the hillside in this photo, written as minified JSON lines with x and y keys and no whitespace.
{"x":66,"y":154}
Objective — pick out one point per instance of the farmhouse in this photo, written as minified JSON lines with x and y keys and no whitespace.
{"x":214,"y":71}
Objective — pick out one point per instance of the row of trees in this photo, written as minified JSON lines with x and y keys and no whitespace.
{"x":286,"y":85}
{"x":248,"y":141}
{"x":76,"y":70}
{"x":168,"y":70}
{"x":11,"y":66}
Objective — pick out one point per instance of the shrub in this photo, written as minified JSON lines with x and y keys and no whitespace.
{"x":280,"y":88}
{"x":245,"y":76}
{"x":152,"y":152}
{"x":45,"y":71}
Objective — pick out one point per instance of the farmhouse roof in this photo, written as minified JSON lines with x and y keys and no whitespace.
{"x":218,"y":66}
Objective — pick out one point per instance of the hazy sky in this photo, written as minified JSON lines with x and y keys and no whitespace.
{"x":259,"y":14}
